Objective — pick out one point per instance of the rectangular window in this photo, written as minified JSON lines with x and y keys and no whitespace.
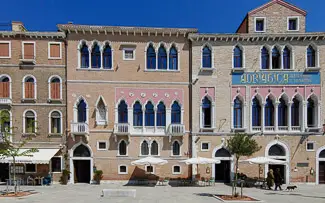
{"x":30,"y":125}
{"x":5,"y":49}
{"x":101,"y":145}
{"x":56,"y":125}
{"x":310,"y":146}
{"x":176,"y":170}
{"x":123,"y":169}
{"x":149,"y":169}
{"x":128,"y":54}
{"x":293,"y":23}
{"x":29,"y":90}
{"x":259,"y":24}
{"x":4,"y":89}
{"x":28,"y":50}
{"x":54,"y":50}
{"x":55,"y":90}
{"x":205,"y":146}
{"x":56,"y":164}
{"x":30,"y":168}
{"x":18,"y":168}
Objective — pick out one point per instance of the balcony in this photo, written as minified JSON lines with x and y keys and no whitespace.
{"x":296,"y":128}
{"x":122,"y":128}
{"x":283,"y":128}
{"x":79,"y":128}
{"x":257,"y":128}
{"x":176,"y":130}
{"x":27,"y":60}
{"x":5,"y":101}
{"x":269,"y":128}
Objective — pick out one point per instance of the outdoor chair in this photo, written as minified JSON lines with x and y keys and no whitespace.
{"x":212,"y":181}
{"x":29,"y":180}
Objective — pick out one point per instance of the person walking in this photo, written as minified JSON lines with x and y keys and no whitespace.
{"x":277,"y":179}
{"x":270,"y":179}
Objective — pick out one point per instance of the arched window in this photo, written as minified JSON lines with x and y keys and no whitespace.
{"x":29,"y":88}
{"x":107,"y":57}
{"x":269,"y":113}
{"x":176,"y":113}
{"x":265,"y":58}
{"x":4,"y":121}
{"x":84,"y":52}
{"x":176,"y":149}
{"x":144,"y":148}
{"x":150,"y":115}
{"x":277,"y":150}
{"x":162,"y":58}
{"x":311,"y":56}
{"x":137,"y":114}
{"x":286,"y":58}
{"x":238,"y":57}
{"x":56,"y":127}
{"x":122,"y":112}
{"x":4,"y":87}
{"x":173,"y":58}
{"x":256,"y":113}
{"x":95,"y":56}
{"x":295,"y":112}
{"x":238,"y":113}
{"x":161,"y":114}
{"x":311,"y":113}
{"x":151,"y":57}
{"x":206,"y":113}
{"x":282,"y":113}
{"x":206,"y":57}
{"x":55,"y":88}
{"x":101,"y":112}
{"x":276,"y":58}
{"x":82,"y":112}
{"x":122,"y":148}
{"x":154,"y":148}
{"x":30,"y":122}
{"x":81,"y":151}
{"x":222,"y":153}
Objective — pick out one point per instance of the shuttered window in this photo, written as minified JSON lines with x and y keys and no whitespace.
{"x":55,"y":88}
{"x":4,"y":88}
{"x":55,"y":50}
{"x":29,"y":51}
{"x":4,"y":49}
{"x":29,"y":88}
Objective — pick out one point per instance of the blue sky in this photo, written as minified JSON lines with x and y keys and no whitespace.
{"x":216,"y":16}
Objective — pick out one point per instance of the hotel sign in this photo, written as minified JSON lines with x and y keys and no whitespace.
{"x":276,"y":78}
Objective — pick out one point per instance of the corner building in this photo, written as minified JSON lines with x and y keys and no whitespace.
{"x":128,"y":98}
{"x":264,"y":80}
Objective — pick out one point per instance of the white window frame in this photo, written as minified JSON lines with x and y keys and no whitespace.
{"x":123,"y":173}
{"x":49,"y":86}
{"x":314,"y":146}
{"x":264,"y":26}
{"x":80,"y":44}
{"x":75,"y":109}
{"x":10,"y":84}
{"x":127,"y":151}
{"x":50,"y":122}
{"x":128,"y":49}
{"x":243,"y":57}
{"x":100,"y":122}
{"x":49,"y":50}
{"x":212,"y":113}
{"x":150,"y":145}
{"x":23,"y":47}
{"x":316,"y":48}
{"x":212,"y":57}
{"x":102,"y":141}
{"x":23,"y":87}
{"x":177,"y":173}
{"x":153,"y":169}
{"x":6,"y":42}
{"x":297,"y":18}
{"x":209,"y":146}
{"x":31,"y":171}
{"x":24,"y":123}
{"x":61,"y":164}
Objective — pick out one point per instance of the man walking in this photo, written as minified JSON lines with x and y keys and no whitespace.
{"x":277,"y":179}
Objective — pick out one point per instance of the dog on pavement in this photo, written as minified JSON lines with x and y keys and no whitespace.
{"x":291,"y":188}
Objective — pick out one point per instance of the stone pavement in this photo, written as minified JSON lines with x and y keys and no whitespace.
{"x":92,"y":193}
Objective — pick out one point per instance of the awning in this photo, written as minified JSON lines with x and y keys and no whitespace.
{"x":43,"y":156}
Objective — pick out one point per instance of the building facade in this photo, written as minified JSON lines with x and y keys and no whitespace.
{"x":264,"y":80}
{"x":128,"y":98}
{"x":32,"y":95}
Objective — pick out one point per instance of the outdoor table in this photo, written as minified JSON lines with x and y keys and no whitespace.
{"x":39,"y":180}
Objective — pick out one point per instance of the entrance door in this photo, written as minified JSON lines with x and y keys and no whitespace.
{"x":4,"y":172}
{"x":222,"y":172}
{"x":321,"y":172}
{"x":81,"y":171}
{"x":282,"y":170}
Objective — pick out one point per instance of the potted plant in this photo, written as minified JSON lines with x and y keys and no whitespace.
{"x":98,"y":176}
{"x":65,"y":177}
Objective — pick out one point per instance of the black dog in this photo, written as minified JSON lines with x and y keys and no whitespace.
{"x":291,"y":188}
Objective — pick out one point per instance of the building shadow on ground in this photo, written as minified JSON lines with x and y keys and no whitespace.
{"x":141,"y":178}
{"x":294,"y":194}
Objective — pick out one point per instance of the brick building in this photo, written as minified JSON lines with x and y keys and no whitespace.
{"x":32,"y":94}
{"x":265,"y":80}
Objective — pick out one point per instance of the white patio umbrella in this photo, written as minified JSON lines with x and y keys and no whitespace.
{"x":201,"y":161}
{"x":149,"y":161}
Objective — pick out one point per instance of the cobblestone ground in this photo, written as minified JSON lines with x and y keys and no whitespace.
{"x":92,"y":193}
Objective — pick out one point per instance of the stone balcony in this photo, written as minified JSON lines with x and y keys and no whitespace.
{"x":6,"y":101}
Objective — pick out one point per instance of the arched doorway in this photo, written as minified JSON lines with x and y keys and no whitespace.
{"x":222,"y":172}
{"x":81,"y":163}
{"x":279,"y":151}
{"x":320,"y":166}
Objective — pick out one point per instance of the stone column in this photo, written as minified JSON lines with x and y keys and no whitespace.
{"x":289,"y":115}
{"x":276,"y":116}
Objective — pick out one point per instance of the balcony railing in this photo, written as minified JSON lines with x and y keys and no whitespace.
{"x":5,"y":101}
{"x":269,"y":128}
{"x":295,"y":128}
{"x":176,"y":129}
{"x":257,"y":128}
{"x":122,"y":128}
{"x":283,"y":128}
{"x":80,"y":128}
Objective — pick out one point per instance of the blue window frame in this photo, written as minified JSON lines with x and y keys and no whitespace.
{"x":238,"y":57}
{"x":206,"y":113}
{"x":107,"y":57}
{"x":122,"y":112}
{"x":151,"y":57}
{"x":311,"y":57}
{"x":162,"y":58}
{"x":276,"y":58}
{"x":95,"y":57}
{"x":176,"y":113}
{"x":82,"y":112}
{"x":238,"y":113}
{"x":269,"y":113}
{"x":206,"y":57}
{"x":161,"y":114}
{"x":84,"y":56}
{"x":295,"y":112}
{"x":137,"y":114}
{"x":149,"y":115}
{"x":265,"y":58}
{"x":173,"y":59}
{"x":256,"y":112}
{"x":286,"y":58}
{"x":311,"y":121}
{"x":282,"y":113}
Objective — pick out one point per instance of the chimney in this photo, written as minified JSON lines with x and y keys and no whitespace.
{"x":17,"y":26}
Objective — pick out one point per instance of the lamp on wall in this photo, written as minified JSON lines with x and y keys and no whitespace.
{"x":311,"y":171}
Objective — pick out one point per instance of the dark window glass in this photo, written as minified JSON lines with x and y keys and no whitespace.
{"x":162,"y":58}
{"x":238,"y":57}
{"x":151,"y":57}
{"x":56,"y":164}
{"x":137,"y":114}
{"x":122,"y":112}
{"x":206,"y":57}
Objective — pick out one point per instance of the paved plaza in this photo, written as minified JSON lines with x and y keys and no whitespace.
{"x":92,"y":193}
